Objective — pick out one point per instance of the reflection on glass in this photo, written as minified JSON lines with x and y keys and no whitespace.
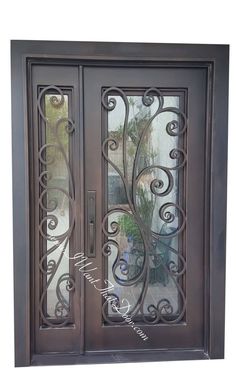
{"x":150,"y":196}
{"x":57,"y":200}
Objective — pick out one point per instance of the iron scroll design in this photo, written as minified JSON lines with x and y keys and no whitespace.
{"x":163,"y":310}
{"x":50,"y":266}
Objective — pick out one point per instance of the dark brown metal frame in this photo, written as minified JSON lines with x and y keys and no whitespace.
{"x":215,"y":59}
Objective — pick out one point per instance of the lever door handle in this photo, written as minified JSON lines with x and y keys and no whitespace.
{"x":91,"y":224}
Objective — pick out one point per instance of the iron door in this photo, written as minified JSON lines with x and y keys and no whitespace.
{"x":119,"y":192}
{"x":144,"y":159}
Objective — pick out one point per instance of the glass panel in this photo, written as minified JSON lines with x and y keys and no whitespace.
{"x":144,"y":217}
{"x":56,"y":205}
{"x":58,"y":181}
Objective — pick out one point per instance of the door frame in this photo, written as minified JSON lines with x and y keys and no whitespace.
{"x":215,"y":58}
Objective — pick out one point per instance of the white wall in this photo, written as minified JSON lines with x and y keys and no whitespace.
{"x":182,"y":21}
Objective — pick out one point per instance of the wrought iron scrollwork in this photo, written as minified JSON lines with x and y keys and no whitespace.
{"x":49,"y":221}
{"x":163,"y":310}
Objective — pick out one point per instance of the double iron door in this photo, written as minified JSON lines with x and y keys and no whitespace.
{"x":117,"y":159}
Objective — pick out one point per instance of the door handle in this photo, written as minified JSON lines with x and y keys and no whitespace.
{"x":91,"y":224}
{"x":91,"y":239}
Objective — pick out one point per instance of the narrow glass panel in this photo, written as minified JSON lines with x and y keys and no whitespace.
{"x":58,"y":181}
{"x":56,"y":206}
{"x":144,"y":217}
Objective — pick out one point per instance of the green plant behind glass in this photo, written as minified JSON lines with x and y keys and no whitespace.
{"x":145,"y":207}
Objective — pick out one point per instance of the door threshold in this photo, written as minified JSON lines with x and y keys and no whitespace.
{"x":118,"y":357}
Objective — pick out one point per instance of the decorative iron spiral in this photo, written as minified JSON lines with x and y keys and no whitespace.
{"x":49,"y":221}
{"x":163,"y":311}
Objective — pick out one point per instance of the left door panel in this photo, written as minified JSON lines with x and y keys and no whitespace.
{"x":55,"y":208}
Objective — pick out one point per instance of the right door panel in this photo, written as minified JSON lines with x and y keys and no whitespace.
{"x":144,"y":158}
